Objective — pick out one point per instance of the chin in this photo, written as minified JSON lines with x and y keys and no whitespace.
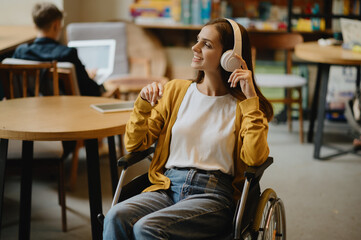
{"x":196,"y":66}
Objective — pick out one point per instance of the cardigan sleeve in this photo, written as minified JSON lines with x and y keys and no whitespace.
{"x":253,"y":133}
{"x":146,"y":123}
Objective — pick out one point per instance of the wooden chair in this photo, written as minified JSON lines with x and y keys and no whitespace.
{"x":26,"y":71}
{"x":288,"y":81}
{"x":22,"y":78}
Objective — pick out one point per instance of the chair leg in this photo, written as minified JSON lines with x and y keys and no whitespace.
{"x":74,"y":165}
{"x":62,"y":195}
{"x":289,"y":109}
{"x":300,"y":113}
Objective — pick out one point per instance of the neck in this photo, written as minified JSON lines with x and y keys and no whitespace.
{"x":212,"y":85}
{"x":42,"y":34}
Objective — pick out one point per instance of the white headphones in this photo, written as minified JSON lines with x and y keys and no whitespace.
{"x":229,"y":61}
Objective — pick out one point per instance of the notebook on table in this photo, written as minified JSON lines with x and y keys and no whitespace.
{"x":96,"y":54}
{"x":114,"y":107}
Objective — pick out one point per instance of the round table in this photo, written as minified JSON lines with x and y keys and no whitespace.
{"x":324,"y":56}
{"x":59,"y":118}
{"x":334,"y":55}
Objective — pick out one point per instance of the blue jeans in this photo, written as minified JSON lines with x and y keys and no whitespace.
{"x":198,"y":205}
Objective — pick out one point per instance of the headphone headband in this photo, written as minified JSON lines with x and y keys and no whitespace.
{"x":237,"y":48}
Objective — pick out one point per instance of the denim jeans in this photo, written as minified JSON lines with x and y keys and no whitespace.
{"x":198,"y":205}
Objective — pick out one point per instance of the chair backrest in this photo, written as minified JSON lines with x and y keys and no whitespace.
{"x":276,"y":41}
{"x":17,"y":79}
{"x":103,"y":30}
{"x":65,"y":72}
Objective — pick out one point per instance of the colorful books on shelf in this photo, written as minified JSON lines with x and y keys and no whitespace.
{"x":160,"y":8}
{"x":187,"y":12}
{"x":344,"y":7}
{"x":199,"y":12}
{"x":154,"y":12}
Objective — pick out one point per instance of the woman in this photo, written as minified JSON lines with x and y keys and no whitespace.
{"x":207,"y":131}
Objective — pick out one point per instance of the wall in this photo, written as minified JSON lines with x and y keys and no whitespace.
{"x":18,"y":12}
{"x":96,"y":10}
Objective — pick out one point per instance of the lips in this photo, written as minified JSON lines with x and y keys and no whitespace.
{"x":196,"y":58}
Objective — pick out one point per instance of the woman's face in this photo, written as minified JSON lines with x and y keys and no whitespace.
{"x":207,"y":51}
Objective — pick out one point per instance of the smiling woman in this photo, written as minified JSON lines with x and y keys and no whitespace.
{"x":207,"y":131}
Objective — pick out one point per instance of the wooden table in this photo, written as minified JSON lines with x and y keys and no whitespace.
{"x":59,"y":118}
{"x":324,"y":56}
{"x":13,"y":36}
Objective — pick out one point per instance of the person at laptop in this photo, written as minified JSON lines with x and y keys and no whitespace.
{"x":48,"y":21}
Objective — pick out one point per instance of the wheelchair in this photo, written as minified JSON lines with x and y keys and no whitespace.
{"x":257,"y":216}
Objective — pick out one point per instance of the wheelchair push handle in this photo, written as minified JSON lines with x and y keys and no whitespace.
{"x":255,"y":172}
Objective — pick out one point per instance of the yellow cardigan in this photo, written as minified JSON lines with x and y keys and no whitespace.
{"x":149,"y":124}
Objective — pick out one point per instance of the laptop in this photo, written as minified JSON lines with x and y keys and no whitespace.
{"x":96,"y":54}
{"x":351,"y":30}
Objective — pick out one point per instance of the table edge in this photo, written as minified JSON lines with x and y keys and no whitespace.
{"x":62,"y":136}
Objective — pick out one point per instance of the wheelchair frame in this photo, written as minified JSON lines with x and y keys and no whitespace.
{"x":265,"y":218}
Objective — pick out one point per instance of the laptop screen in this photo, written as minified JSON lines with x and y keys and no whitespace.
{"x":96,"y":54}
{"x":351,"y":30}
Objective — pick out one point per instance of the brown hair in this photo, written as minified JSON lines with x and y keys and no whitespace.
{"x":44,"y":14}
{"x":225,"y":31}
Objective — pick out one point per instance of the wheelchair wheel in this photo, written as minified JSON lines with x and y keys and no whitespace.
{"x":270,"y":220}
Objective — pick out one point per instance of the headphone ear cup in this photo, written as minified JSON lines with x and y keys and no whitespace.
{"x":229,"y":61}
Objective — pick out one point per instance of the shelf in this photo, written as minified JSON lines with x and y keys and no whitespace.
{"x":171,"y":26}
{"x":324,"y":16}
{"x":199,"y":27}
{"x":346,"y":16}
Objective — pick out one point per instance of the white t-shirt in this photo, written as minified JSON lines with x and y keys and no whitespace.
{"x":203,"y":135}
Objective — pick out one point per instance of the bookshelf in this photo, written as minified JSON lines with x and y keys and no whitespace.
{"x":170,"y":13}
{"x":176,"y":33}
{"x":332,"y":11}
{"x":177,"y":37}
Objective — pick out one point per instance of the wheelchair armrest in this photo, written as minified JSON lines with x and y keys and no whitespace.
{"x":255,"y":172}
{"x":134,"y":157}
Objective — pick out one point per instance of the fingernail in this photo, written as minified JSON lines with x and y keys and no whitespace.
{"x":152,"y":103}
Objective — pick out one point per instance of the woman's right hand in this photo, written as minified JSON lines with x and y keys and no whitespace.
{"x":152,"y":92}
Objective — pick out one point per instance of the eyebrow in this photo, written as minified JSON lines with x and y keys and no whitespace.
{"x":205,"y":39}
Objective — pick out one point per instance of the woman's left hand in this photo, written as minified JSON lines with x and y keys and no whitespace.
{"x":243,"y":76}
